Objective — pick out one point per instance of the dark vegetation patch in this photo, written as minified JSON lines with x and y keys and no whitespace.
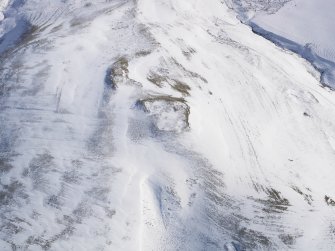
{"x":38,"y":168}
{"x":142,"y":53}
{"x":24,"y":34}
{"x":46,"y":243}
{"x":172,"y":73}
{"x":11,"y":227}
{"x":332,"y":231}
{"x":188,"y":52}
{"x":10,"y":193}
{"x":54,"y":201}
{"x":307,"y":197}
{"x":256,"y":239}
{"x":188,"y":73}
{"x":157,"y":79}
{"x":274,"y":203}
{"x":109,"y":212}
{"x":5,"y":164}
{"x":160,"y":79}
{"x":181,"y":87}
{"x":288,"y":239}
{"x":229,"y":219}
{"x":10,"y":78}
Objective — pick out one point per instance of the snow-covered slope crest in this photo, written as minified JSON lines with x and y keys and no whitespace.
{"x":3,"y":5}
{"x":247,"y":9}
{"x":305,"y":27}
{"x":160,"y":125}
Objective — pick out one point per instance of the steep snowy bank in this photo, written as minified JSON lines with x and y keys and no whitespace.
{"x":3,"y":5}
{"x":304,"y":22}
{"x":305,"y":27}
{"x":161,"y":125}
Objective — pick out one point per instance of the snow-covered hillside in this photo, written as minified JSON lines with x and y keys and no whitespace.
{"x":305,"y":27}
{"x":159,"y":125}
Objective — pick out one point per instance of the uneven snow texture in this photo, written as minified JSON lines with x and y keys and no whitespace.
{"x":249,"y":8}
{"x":159,"y":125}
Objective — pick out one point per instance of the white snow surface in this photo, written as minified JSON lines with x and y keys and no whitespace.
{"x":241,"y":158}
{"x":3,"y":6}
{"x":304,"y":22}
{"x":308,"y":23}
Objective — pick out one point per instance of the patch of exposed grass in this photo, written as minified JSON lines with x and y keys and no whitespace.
{"x":307,"y":197}
{"x":188,"y":73}
{"x":156,"y":79}
{"x":188,"y":52}
{"x":181,"y":87}
{"x":254,"y":238}
{"x":274,"y":203}
{"x":142,"y":53}
{"x":288,"y":239}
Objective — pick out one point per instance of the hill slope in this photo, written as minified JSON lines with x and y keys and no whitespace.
{"x":159,"y":125}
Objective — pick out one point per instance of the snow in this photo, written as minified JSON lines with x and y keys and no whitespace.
{"x":305,"y":22}
{"x":3,"y":5}
{"x":306,"y":27}
{"x":160,"y":125}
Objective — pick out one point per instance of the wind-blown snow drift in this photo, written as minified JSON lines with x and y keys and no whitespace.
{"x":160,"y":125}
